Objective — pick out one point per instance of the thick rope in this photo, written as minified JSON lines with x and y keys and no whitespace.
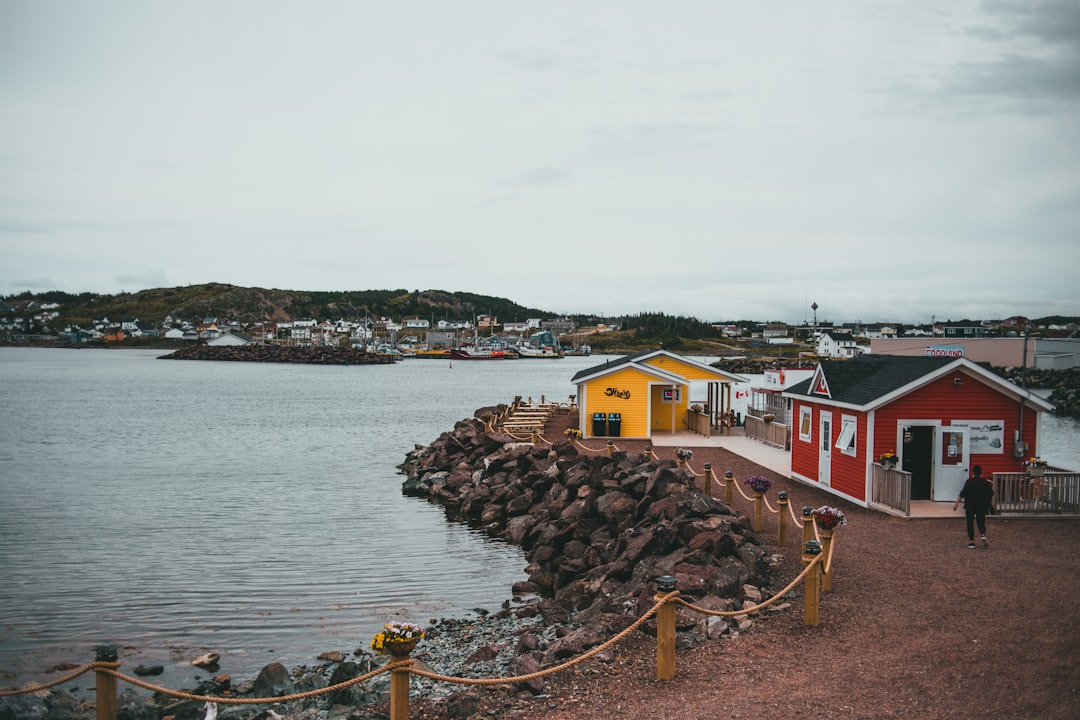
{"x":759,"y":606}
{"x":256,"y":701}
{"x":695,"y":474}
{"x":747,"y":497}
{"x":773,"y":510}
{"x":37,"y":687}
{"x":791,"y":511}
{"x":670,"y":597}
{"x":828,"y":562}
{"x":588,"y":449}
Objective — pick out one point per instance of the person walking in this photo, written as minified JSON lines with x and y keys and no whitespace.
{"x":978,"y":497}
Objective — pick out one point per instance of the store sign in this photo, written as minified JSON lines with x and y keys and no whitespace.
{"x":944,"y":351}
{"x":615,"y":392}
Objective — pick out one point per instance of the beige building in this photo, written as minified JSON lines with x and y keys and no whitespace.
{"x":999,"y":352}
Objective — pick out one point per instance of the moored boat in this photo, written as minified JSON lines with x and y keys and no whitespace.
{"x":545,"y":351}
{"x":468,"y":352}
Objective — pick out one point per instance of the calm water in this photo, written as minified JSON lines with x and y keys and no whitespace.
{"x":255,"y":510}
{"x":175,"y":508}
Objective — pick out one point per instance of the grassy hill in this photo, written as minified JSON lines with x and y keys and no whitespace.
{"x":252,"y":305}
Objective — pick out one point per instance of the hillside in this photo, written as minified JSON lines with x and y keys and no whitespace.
{"x":252,"y":305}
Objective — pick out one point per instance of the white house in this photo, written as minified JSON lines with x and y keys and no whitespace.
{"x":832,"y":344}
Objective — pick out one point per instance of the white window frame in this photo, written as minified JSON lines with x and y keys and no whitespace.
{"x":848,"y":440}
{"x":806,"y":420}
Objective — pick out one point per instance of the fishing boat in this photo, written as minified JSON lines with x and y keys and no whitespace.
{"x":582,"y":350}
{"x":544,"y":351}
{"x":470,"y":352}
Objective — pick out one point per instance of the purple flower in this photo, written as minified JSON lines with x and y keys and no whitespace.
{"x":759,"y":483}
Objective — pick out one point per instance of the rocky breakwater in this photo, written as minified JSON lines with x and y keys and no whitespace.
{"x":257,"y":352}
{"x":596,"y":531}
{"x":1064,"y":386}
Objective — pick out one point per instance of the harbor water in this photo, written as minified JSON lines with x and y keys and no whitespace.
{"x":255,"y":510}
{"x":174,"y":508}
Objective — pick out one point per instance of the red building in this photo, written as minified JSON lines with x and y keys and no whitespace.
{"x":940,"y":416}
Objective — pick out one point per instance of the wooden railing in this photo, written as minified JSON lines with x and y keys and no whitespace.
{"x":890,"y":488}
{"x":770,"y":433}
{"x":1054,"y":492}
{"x":699,"y":422}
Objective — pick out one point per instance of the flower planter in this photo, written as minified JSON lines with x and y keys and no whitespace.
{"x":400,"y":648}
{"x":1035,"y":471}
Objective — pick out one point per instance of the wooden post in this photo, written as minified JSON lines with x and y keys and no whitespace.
{"x":708,"y":479}
{"x":826,"y":554}
{"x":106,"y":684}
{"x":807,"y":524}
{"x":812,"y":551}
{"x":399,"y":680}
{"x":759,"y":500}
{"x":647,"y":452}
{"x":665,"y":629}
{"x":782,"y":502}
{"x":729,"y":484}
{"x":610,"y":448}
{"x":681,"y":463}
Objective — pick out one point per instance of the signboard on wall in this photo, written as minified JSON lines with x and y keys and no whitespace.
{"x":985,"y":437}
{"x":673,"y":395}
{"x":944,"y":351}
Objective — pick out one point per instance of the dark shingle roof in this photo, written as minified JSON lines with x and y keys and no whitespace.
{"x":862,"y":380}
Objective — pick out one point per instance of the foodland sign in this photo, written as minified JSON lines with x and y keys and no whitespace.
{"x":944,"y":351}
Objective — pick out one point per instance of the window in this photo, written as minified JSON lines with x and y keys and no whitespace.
{"x":805,"y":417}
{"x":846,"y":442}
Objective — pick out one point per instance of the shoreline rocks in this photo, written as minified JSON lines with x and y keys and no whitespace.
{"x":596,"y":531}
{"x":309,"y":355}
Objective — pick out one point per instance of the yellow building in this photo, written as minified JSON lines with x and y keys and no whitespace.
{"x":646,"y":393}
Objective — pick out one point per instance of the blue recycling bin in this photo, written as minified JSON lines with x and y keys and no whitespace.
{"x":599,"y":424}
{"x":614,"y":424}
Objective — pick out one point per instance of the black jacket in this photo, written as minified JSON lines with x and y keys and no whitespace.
{"x":978,"y":494}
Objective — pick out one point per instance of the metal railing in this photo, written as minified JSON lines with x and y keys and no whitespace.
{"x":890,"y":488}
{"x":1054,"y":492}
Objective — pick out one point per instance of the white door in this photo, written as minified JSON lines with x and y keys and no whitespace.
{"x":825,"y":442}
{"x":951,"y":462}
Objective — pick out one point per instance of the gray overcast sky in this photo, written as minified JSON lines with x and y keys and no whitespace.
{"x":888,"y":160}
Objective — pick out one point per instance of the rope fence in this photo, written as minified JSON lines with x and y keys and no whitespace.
{"x":106,"y":666}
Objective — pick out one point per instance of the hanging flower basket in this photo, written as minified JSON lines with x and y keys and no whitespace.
{"x":828,"y":518}
{"x":888,"y":459}
{"x":759,"y":483}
